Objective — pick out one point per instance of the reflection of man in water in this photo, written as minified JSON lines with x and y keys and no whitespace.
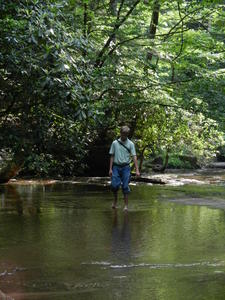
{"x":121,"y":238}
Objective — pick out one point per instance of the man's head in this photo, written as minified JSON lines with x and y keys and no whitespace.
{"x":124,"y":132}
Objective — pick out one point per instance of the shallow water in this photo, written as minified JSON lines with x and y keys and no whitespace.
{"x":63,"y":241}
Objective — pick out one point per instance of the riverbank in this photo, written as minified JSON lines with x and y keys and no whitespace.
{"x":171,"y":177}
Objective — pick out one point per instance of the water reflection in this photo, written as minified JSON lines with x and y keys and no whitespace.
{"x":65,"y":239}
{"x":2,"y":200}
{"x":12,"y":200}
{"x":121,"y":237}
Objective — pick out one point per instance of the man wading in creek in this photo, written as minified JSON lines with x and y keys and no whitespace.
{"x":119,"y":170}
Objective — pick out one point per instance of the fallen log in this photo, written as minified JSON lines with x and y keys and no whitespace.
{"x":104,"y":180}
{"x":147,"y":180}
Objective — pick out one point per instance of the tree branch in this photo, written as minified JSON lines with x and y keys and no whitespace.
{"x":181,"y":20}
{"x":182,"y":34}
{"x":153,"y":26}
{"x":143,"y":88}
{"x":99,"y":61}
{"x":120,"y":8}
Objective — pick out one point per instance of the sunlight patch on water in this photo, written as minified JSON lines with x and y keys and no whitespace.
{"x":101,"y":263}
{"x":12,"y":272}
{"x":212,"y":203}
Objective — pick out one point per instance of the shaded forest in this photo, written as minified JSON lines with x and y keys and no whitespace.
{"x":72,"y":72}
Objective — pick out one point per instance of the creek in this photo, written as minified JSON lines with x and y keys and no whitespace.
{"x":62,"y":240}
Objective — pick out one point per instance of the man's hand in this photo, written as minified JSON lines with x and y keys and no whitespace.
{"x":138,"y":173}
{"x":110,"y":173}
{"x":136,"y":166}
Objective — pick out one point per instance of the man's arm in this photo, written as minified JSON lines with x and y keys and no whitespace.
{"x":110,"y":165}
{"x":136,"y":165}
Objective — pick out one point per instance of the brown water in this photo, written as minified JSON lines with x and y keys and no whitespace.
{"x":63,"y":241}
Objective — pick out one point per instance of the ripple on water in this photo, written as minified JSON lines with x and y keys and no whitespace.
{"x":101,"y":263}
{"x":12,"y":272}
{"x":157,"y":266}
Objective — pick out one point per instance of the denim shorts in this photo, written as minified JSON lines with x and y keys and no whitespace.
{"x":120,"y":175}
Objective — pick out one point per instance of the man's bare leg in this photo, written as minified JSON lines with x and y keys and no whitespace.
{"x":126,"y":201}
{"x":114,"y":204}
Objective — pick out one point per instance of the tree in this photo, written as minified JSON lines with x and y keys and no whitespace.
{"x":43,"y":99}
{"x":72,"y":72}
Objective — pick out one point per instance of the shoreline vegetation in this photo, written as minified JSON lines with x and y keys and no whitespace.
{"x":152,"y":173}
{"x":71,"y":77}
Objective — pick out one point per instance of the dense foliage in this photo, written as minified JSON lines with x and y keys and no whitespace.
{"x":72,"y":71}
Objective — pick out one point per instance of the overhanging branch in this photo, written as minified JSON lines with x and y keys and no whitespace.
{"x":100,"y":61}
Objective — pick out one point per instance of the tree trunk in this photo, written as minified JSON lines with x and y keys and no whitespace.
{"x":165,"y":162}
{"x":154,"y":20}
{"x":113,"y":7}
{"x":153,"y":25}
{"x":142,"y":158}
{"x":164,"y":166}
{"x":12,"y":168}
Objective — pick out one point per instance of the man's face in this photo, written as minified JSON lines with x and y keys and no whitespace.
{"x":123,"y":136}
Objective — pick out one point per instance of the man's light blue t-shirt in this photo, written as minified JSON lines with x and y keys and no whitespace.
{"x":120,"y":153}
